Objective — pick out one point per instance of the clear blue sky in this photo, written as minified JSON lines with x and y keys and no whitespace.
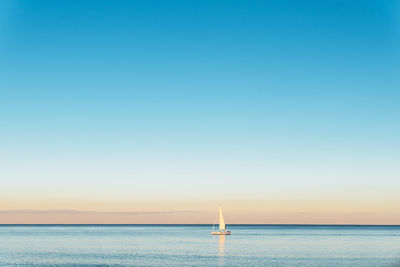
{"x":130,"y":99}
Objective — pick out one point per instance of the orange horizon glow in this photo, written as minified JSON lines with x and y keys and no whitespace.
{"x":245,"y":211}
{"x":193,"y":217}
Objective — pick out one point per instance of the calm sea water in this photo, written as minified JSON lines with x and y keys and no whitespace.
{"x":192,"y":245}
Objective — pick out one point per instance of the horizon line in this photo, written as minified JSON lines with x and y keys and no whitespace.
{"x":186,"y":224}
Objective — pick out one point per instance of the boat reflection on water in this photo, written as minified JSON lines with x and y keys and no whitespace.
{"x":221,"y":250}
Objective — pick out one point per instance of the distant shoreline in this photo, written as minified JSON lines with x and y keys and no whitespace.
{"x":321,"y":225}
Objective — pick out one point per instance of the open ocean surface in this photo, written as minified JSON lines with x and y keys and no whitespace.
{"x":192,"y":245}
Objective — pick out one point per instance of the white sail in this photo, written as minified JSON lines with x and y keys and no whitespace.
{"x":221,"y":220}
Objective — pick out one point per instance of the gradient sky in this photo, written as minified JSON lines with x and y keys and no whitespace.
{"x":280,"y":111}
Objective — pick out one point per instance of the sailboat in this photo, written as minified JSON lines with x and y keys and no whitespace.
{"x":222,"y":226}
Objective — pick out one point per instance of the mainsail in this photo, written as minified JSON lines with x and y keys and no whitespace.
{"x":221,"y":220}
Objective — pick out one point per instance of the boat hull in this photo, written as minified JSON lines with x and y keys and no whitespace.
{"x":221,"y":233}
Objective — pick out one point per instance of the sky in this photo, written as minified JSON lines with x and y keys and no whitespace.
{"x":162,"y":111}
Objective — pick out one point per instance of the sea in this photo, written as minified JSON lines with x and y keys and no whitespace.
{"x":193,"y":245}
